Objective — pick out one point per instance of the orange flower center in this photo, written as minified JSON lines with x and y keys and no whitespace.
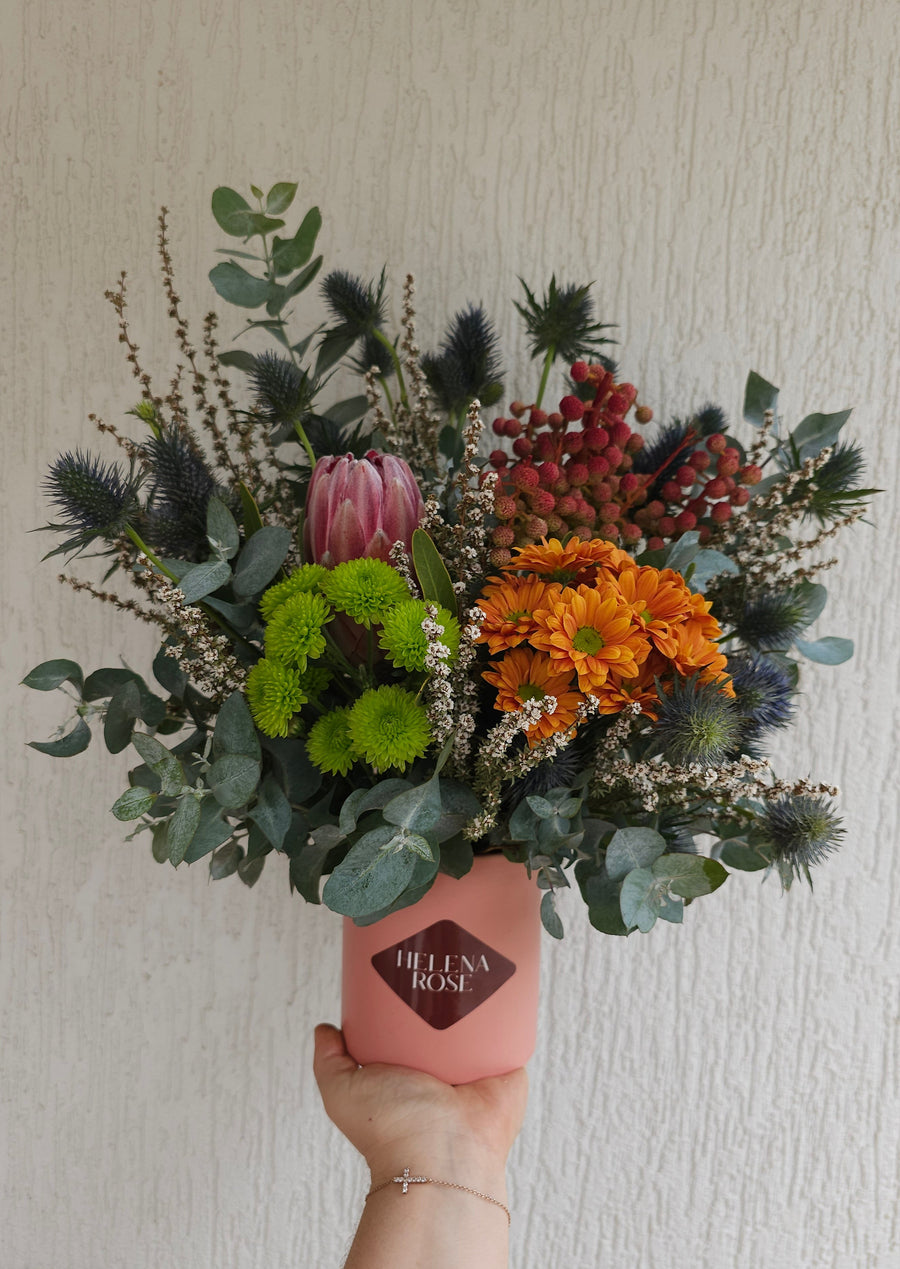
{"x":588,"y":640}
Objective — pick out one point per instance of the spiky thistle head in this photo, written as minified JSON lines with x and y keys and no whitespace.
{"x":664,"y":453}
{"x":95,"y":499}
{"x":468,"y":364}
{"x":771,"y":620}
{"x":764,"y":698}
{"x":372,"y":352}
{"x":563,"y":321}
{"x":284,"y":391}
{"x":709,"y":419}
{"x":696,"y":723}
{"x":802,"y":830}
{"x":182,"y":485}
{"x":835,"y":489}
{"x":358,"y":306}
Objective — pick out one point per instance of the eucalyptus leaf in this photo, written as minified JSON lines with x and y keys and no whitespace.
{"x":235,"y":732}
{"x":640,"y":900}
{"x":225,"y":860}
{"x":302,"y":280}
{"x":133,"y":803}
{"x":251,"y":516}
{"x":75,"y":741}
{"x":260,"y":559}
{"x":683,"y":552}
{"x":632,"y":848}
{"x":122,"y":712}
{"x":272,"y":811}
{"x":689,"y":876}
{"x":601,"y":894}
{"x":169,"y":674}
{"x":759,"y":396}
{"x":829,"y":650}
{"x":150,"y":748}
{"x":543,"y":809}
{"x":417,"y":809}
{"x":238,"y":357}
{"x":280,"y":197}
{"x":182,"y":827}
{"x":237,"y":286}
{"x":334,"y":346}
{"x":709,"y":564}
{"x":51,"y":674}
{"x":347,"y":411}
{"x":296,"y":774}
{"x":818,"y":431}
{"x":370,"y":876}
{"x":212,"y":830}
{"x":550,"y":918}
{"x":739,"y":854}
{"x":362,"y":800}
{"x":249,"y":870}
{"x":221,"y":529}
{"x":233,"y":779}
{"x":457,"y":856}
{"x":231,"y":211}
{"x":289,"y":254}
{"x":203,"y":579}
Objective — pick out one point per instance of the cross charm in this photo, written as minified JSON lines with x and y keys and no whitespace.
{"x":406,"y":1180}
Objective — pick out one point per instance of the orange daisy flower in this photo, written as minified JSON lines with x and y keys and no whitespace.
{"x":701,"y":612}
{"x":696,"y":652}
{"x":508,"y":604}
{"x":659,"y":600}
{"x":573,"y":564}
{"x":592,"y":631}
{"x":616,"y":694}
{"x":523,"y":675}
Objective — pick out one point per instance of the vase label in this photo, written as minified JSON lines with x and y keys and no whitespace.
{"x":443,"y":972}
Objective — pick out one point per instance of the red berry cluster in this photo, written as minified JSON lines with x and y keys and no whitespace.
{"x":571,"y":469}
{"x":702,"y":492}
{"x":571,"y":472}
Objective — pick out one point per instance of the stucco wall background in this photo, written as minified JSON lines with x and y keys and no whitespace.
{"x":721,"y":1094}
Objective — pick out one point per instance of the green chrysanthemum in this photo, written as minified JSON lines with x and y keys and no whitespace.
{"x":275,"y":693}
{"x":329,"y":745}
{"x":295,"y":632}
{"x":364,"y":589}
{"x":305,"y":578}
{"x":404,"y":640}
{"x":389,"y":728}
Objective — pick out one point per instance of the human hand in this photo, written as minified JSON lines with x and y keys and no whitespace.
{"x":396,"y":1116}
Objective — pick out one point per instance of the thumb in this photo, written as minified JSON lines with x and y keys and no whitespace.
{"x":331,"y":1058}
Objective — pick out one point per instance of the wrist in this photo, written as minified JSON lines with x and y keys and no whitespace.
{"x":448,"y":1159}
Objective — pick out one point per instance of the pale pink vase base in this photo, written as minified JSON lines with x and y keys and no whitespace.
{"x":498,"y":905}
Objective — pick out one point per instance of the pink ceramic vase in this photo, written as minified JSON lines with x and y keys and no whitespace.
{"x":449,"y":985}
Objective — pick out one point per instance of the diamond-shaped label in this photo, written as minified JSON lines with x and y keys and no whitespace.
{"x":443,"y":972}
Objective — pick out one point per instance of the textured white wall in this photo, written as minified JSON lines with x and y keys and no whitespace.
{"x":723,"y":1094}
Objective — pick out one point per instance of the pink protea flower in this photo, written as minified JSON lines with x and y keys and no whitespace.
{"x":357,"y":508}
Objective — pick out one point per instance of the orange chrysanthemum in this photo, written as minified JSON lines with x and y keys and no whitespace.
{"x":592,"y":631}
{"x":574,"y":564}
{"x":694,"y":651}
{"x":616,"y":694}
{"x":523,"y":675}
{"x":508,"y":604}
{"x":659,"y":600}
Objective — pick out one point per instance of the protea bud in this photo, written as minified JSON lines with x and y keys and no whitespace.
{"x":357,"y":508}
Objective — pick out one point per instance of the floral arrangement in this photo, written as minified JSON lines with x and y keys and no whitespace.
{"x":384,"y":650}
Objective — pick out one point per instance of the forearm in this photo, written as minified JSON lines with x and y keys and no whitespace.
{"x":435,"y":1226}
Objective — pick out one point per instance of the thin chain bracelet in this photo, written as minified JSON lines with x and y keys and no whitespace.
{"x":406,"y":1181}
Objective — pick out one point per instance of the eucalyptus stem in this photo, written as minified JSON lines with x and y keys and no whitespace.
{"x":383,"y":339}
{"x":548,"y":362}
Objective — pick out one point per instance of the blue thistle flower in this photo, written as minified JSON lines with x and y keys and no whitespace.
{"x":372,"y":352}
{"x":284,"y":392}
{"x":182,"y":487}
{"x":771,"y":620}
{"x":802,"y":830}
{"x":358,"y":305}
{"x":664,"y":454}
{"x":836,"y":486}
{"x":96,"y":499}
{"x":468,"y":364}
{"x":763,"y":696}
{"x":563,"y":321}
{"x":696,"y":723}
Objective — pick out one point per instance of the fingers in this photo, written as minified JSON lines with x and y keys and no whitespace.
{"x":331,"y":1057}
